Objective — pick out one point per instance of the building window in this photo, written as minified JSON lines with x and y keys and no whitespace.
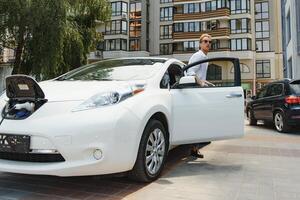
{"x":166,"y":14}
{"x":240,"y":25}
{"x":116,"y":44}
{"x":288,"y":23}
{"x":134,"y":44}
{"x":208,"y":6}
{"x":135,"y":10}
{"x":239,"y":6}
{"x":262,"y":10}
{"x":214,"y":72}
{"x":263,"y":45}
{"x":116,"y":27}
{"x":262,"y":29}
{"x":244,"y":69}
{"x":178,"y":27}
{"x":187,"y":46}
{"x":166,"y":32}
{"x":241,"y":44}
{"x":215,"y":44}
{"x":222,"y":4}
{"x":135,"y":28}
{"x":263,"y":69}
{"x":189,"y":8}
{"x":196,"y":26}
{"x":166,"y":49}
{"x":118,"y":8}
{"x":166,"y":1}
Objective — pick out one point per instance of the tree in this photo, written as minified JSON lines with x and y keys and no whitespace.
{"x":50,"y":37}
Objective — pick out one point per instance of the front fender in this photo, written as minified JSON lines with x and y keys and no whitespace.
{"x":144,"y":106}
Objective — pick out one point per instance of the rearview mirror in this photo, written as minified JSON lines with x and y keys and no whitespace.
{"x":187,"y":80}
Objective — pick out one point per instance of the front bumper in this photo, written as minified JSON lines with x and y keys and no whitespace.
{"x":114,"y":130}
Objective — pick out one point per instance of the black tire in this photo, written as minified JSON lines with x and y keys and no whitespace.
{"x":251,"y":119}
{"x":280,"y":122}
{"x":140,"y":171}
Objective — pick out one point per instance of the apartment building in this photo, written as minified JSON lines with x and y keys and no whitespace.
{"x":247,"y":29}
{"x":291,"y":38}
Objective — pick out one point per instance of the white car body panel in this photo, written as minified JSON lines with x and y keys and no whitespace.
{"x":205,"y":114}
{"x":117,"y":130}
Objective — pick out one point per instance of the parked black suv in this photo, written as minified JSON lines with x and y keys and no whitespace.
{"x":277,"y":102}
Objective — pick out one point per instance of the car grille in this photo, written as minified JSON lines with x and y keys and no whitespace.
{"x":32,"y":157}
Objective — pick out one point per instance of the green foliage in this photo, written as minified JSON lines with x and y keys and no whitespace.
{"x":50,"y":37}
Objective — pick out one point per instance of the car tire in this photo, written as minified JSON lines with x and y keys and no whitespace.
{"x":280,"y":122}
{"x":152,"y":153}
{"x":252,"y":120}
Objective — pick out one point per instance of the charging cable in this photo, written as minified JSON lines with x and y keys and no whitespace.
{"x":5,"y":114}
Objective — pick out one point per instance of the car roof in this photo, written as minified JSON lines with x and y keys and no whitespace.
{"x":139,"y":58}
{"x":286,"y":80}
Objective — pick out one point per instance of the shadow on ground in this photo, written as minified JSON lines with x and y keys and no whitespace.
{"x":17,"y":186}
{"x":270,"y":127}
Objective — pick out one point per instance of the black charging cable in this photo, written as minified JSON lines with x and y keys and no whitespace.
{"x":6,"y":113}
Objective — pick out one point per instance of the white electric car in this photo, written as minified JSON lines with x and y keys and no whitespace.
{"x":113,"y":116}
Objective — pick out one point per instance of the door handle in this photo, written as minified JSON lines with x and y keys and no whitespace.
{"x":234,"y":95}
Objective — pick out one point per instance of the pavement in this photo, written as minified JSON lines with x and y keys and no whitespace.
{"x":262,"y":165}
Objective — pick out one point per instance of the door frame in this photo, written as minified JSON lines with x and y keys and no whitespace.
{"x":235,"y":62}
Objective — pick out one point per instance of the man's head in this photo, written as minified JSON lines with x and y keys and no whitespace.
{"x":205,"y":42}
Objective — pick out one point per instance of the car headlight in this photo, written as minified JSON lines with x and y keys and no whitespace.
{"x":106,"y":99}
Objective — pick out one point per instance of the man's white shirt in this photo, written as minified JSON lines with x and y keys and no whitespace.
{"x":198,"y":70}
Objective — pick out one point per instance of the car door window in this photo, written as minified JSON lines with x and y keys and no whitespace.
{"x":262,"y":93}
{"x":217,"y":72}
{"x":171,"y":76}
{"x":295,"y":87}
{"x":275,"y":90}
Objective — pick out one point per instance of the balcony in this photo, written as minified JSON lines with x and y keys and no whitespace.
{"x":219,"y":32}
{"x":222,"y":12}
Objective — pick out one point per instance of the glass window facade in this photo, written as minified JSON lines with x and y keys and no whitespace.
{"x":239,"y":6}
{"x":263,"y":69}
{"x":240,"y":44}
{"x":262,"y":27}
{"x":166,"y":14}
{"x":166,"y":1}
{"x":240,"y":26}
{"x":196,"y":26}
{"x":116,"y":44}
{"x":116,"y":27}
{"x":118,"y":8}
{"x":166,"y":32}
{"x":166,"y":49}
{"x":189,"y":8}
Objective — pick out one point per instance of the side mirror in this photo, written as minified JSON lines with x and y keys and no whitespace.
{"x":187,"y":80}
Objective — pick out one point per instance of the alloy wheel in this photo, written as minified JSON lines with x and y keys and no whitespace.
{"x":278,"y":121}
{"x":155,"y":151}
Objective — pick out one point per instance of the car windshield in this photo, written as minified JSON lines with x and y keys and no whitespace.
{"x":117,"y":69}
{"x":295,"y":87}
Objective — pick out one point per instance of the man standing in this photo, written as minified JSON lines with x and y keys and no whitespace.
{"x":199,"y":71}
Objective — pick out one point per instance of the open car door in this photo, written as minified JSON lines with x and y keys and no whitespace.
{"x":203,"y":114}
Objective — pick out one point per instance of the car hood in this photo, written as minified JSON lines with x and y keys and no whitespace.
{"x":80,"y":90}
